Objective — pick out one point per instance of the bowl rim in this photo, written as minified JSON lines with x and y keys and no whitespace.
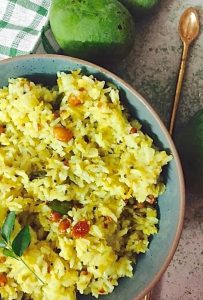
{"x":179,"y":228}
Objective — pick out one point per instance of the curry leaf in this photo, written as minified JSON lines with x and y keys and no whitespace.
{"x":21,"y":241}
{"x":9,"y":253}
{"x":57,"y":103}
{"x":59,"y":206}
{"x":8,"y":226}
{"x":2,"y":244}
{"x":19,"y":244}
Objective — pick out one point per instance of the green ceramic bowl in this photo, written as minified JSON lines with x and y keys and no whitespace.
{"x":150,"y":266}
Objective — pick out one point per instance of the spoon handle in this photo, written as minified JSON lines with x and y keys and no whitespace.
{"x":147,"y":297}
{"x":179,"y":86}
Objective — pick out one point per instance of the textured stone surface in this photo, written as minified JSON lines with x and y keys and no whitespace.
{"x":184,"y":278}
{"x":152,"y":68}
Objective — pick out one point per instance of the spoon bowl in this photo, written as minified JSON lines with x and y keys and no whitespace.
{"x":189,"y":25}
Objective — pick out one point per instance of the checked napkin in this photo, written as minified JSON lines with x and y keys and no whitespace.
{"x":24,"y":28}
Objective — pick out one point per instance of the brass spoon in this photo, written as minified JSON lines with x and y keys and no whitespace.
{"x":189,"y":28}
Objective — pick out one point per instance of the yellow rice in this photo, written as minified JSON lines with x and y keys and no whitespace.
{"x":109,"y":171}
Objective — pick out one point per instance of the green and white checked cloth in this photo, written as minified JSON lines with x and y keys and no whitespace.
{"x":24,"y":28}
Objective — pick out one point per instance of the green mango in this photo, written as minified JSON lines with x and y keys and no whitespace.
{"x":190,"y":145}
{"x":99,"y":30}
{"x":140,"y":6}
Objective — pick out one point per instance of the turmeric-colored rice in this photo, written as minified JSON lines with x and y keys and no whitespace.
{"x":106,"y":168}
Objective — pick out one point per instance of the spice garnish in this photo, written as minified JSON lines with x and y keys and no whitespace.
{"x":37,"y":174}
{"x":21,"y":242}
{"x":61,"y":207}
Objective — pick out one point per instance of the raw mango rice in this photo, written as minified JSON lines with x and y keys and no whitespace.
{"x":75,"y":143}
